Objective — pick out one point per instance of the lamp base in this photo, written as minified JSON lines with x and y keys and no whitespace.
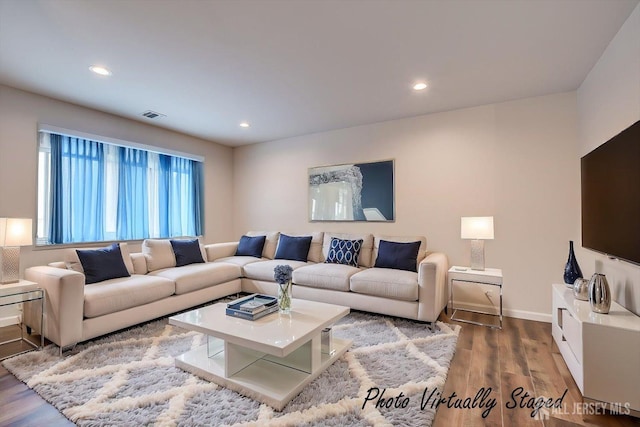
{"x":9,"y":264}
{"x":477,"y":254}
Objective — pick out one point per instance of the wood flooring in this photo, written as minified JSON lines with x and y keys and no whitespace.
{"x":520,"y":356}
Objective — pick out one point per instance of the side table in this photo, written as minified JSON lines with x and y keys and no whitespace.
{"x":24,"y":292}
{"x":488,"y":276}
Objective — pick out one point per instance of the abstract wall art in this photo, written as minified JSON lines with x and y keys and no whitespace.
{"x":352,"y":192}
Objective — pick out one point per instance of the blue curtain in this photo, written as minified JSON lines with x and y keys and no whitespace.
{"x":133,"y":206}
{"x":164,"y":199}
{"x":78,"y":199}
{"x":198,"y":197}
{"x":77,"y":190}
{"x":179,"y":224}
{"x":181,"y":197}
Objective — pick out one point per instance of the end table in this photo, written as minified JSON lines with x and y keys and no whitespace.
{"x":488,"y":276}
{"x":22,"y":292}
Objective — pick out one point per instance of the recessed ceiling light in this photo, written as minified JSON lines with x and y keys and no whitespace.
{"x":100,"y":70}
{"x":244,"y":125}
{"x":420,"y":86}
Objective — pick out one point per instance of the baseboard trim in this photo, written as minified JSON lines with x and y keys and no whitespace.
{"x":518,"y":314}
{"x":488,"y":309}
{"x":9,"y":321}
{"x":528,"y":315}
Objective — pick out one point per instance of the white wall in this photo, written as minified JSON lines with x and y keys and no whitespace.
{"x":515,"y":161}
{"x":608,"y":102}
{"x":20,"y":114}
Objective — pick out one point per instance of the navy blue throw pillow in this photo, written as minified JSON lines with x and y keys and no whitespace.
{"x":399,"y":256}
{"x":293,"y":248}
{"x":102,"y":264}
{"x":251,"y":246}
{"x":186,"y":252}
{"x":344,"y":252}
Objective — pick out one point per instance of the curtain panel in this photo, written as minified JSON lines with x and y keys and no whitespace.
{"x":78,"y":188}
{"x":133,"y":203}
{"x":148,"y":194}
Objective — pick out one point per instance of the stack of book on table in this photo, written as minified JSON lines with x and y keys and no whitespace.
{"x":252,"y":307}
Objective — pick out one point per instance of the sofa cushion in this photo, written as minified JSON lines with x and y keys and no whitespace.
{"x":325,"y":276}
{"x":422,"y":252}
{"x":399,"y":256}
{"x":270,"y":243}
{"x":251,"y":246}
{"x":263,"y":270}
{"x":240,"y":260}
{"x":364,"y":259}
{"x":115,"y":295}
{"x":59,"y":264}
{"x":102,"y":264}
{"x":186,"y":252}
{"x":344,"y":252}
{"x":159,"y":253}
{"x":199,"y":276}
{"x":387,"y":283}
{"x":72,"y":261}
{"x":293,"y":248}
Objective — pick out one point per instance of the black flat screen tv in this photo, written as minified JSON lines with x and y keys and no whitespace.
{"x":610,"y":176}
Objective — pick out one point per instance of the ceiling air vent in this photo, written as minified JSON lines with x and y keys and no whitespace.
{"x":153,"y":115}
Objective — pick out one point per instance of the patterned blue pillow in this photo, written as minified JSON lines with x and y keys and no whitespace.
{"x":344,"y":252}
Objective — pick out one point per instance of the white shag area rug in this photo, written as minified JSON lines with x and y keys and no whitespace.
{"x":129,"y":378}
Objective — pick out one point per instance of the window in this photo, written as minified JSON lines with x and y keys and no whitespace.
{"x":91,"y":191}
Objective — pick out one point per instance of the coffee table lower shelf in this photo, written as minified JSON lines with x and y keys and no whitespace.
{"x":265,"y":379}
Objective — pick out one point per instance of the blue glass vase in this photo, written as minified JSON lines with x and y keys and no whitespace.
{"x":572,"y":269}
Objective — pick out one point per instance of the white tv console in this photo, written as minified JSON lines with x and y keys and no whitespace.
{"x":602,"y":351}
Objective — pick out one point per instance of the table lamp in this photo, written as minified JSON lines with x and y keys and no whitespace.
{"x":478,"y":229}
{"x":14,"y":232}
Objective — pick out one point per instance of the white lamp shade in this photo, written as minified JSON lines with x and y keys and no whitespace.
{"x":476,"y":227}
{"x":15,"y":232}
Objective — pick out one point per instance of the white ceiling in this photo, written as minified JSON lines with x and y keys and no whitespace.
{"x":297,"y":67}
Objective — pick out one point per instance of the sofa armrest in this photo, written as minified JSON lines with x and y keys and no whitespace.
{"x":433,"y":292}
{"x":220,"y":250}
{"x":64,"y":309}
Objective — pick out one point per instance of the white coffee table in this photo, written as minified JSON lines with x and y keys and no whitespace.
{"x":270,"y":359}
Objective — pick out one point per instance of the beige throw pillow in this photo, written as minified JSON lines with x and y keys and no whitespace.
{"x":159,"y":254}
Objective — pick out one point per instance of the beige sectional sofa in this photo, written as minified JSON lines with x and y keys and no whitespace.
{"x":420,"y":295}
{"x":77,"y":312}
